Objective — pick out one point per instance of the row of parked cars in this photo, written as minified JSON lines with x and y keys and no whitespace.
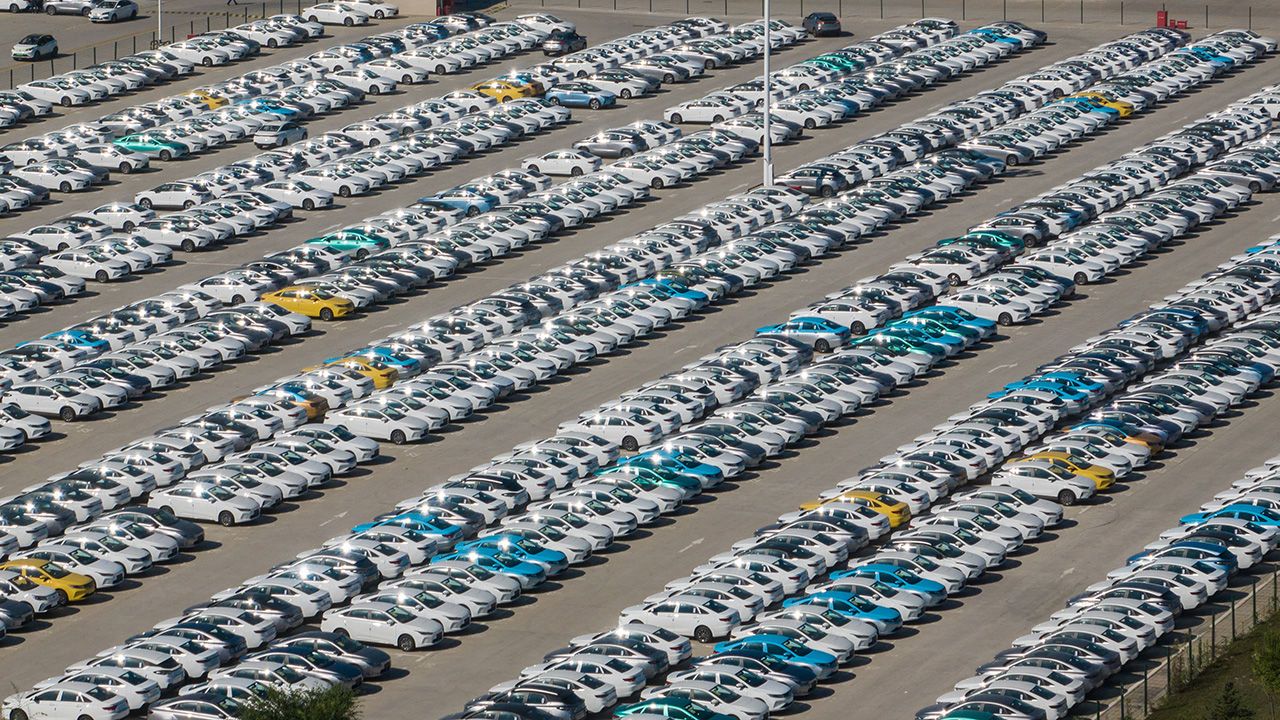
{"x":1059,"y":662}
{"x":812,"y":633}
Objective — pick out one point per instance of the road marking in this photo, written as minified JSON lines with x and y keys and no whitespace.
{"x":1067,"y":572}
{"x":1276,"y":218}
{"x":692,"y":545}
{"x":1001,"y":367}
{"x":339,"y":516}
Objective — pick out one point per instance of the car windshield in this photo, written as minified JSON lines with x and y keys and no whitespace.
{"x":399,"y":614}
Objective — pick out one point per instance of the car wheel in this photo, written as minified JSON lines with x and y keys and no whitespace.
{"x":397,"y":437}
{"x":1004,"y":319}
{"x":677,"y":118}
{"x":348,"y":22}
{"x":188,"y":245}
{"x":84,"y":12}
{"x":379,"y":14}
{"x":656,"y":184}
{"x":702,"y":634}
{"x":308,"y":204}
{"x":361,"y":254}
{"x":113,"y":17}
{"x":594,"y":104}
{"x":326,"y":314}
{"x":1011,"y":160}
{"x":101,"y":276}
{"x":51,"y":11}
{"x":313,"y":18}
{"x":406,"y":79}
{"x":344,"y":191}
{"x":13,"y":7}
{"x":827,"y":191}
{"x":473,"y":211}
{"x":575,"y":171}
{"x":145,"y":202}
{"x":709,"y":65}
{"x":129,"y":226}
{"x":857,"y":328}
{"x":1255,"y":186}
{"x":271,"y":42}
{"x":225,"y":519}
{"x":166,"y":509}
{"x":374,"y":90}
{"x":236,"y":299}
{"x":126,"y":168}
{"x":65,"y":187}
{"x":1066,"y":497}
{"x":629,"y":444}
{"x":65,"y":102}
{"x":624,"y":152}
{"x":341,"y":632}
{"x":406,"y":643}
{"x":954,"y":279}
{"x":206,"y":61}
{"x":67,"y":414}
{"x":62,"y":600}
{"x":166,"y":156}
{"x":624,"y":93}
{"x":822,"y":346}
{"x":668,"y":78}
{"x":1080,"y":279}
{"x":63,"y":246}
{"x":439,"y":69}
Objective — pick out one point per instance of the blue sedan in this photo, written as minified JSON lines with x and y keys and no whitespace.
{"x":526,"y":573}
{"x":948,"y":314}
{"x":785,"y":648}
{"x":1240,"y":511}
{"x":676,"y":461}
{"x":817,"y":332}
{"x":581,"y":94}
{"x":414,"y":520}
{"x":521,"y":548}
{"x":675,"y":289}
{"x":897,"y":578}
{"x":79,"y":339}
{"x":885,"y":619}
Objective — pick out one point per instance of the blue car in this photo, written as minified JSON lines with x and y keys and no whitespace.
{"x":683,"y":463}
{"x":470,"y":202}
{"x":581,"y":94}
{"x":817,"y":332}
{"x":948,"y":314}
{"x":407,"y":366}
{"x":263,"y":105}
{"x":79,"y":339}
{"x":526,"y":573}
{"x":786,"y":648}
{"x":885,"y":619}
{"x":520,"y":548}
{"x":1059,"y":389}
{"x":1194,"y":550}
{"x":1089,"y":106}
{"x":1240,"y":511}
{"x":445,"y":533}
{"x":675,"y":289}
{"x":899,"y":579}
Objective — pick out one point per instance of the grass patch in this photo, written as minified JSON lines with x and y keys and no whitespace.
{"x":1233,"y":664}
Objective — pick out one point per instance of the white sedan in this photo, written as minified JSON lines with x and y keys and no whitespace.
{"x":173,"y":195}
{"x":335,"y":13}
{"x":230,"y":288}
{"x":563,"y":162}
{"x":383,"y":624}
{"x":373,"y":8}
{"x":199,"y":501}
{"x":297,"y":193}
{"x":88,"y":266}
{"x":366,"y":80}
{"x":56,"y":176}
{"x":707,"y":110}
{"x":113,"y":158}
{"x":381,"y":423}
{"x":397,"y":70}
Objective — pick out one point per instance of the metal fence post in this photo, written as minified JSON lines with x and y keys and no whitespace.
{"x":75,"y":62}
{"x":1168,"y":667}
{"x":135,"y":43}
{"x":1121,"y":12}
{"x":1081,"y":12}
{"x":1004,"y":9}
{"x":1233,"y":621}
{"x":1122,"y":705}
{"x":1145,"y":672}
{"x":1213,"y":637}
{"x":1250,"y":17}
{"x":1255,"y":598}
{"x":192,"y":30}
{"x":115,"y":51}
{"x":921,"y":8}
{"x":207,"y":21}
{"x":1206,"y":16}
{"x":881,"y":9}
{"x":1041,"y":10}
{"x":95,"y":54}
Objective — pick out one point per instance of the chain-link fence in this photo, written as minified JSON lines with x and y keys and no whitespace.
{"x":1219,"y":14}
{"x":1200,"y":636}
{"x":187,"y":23}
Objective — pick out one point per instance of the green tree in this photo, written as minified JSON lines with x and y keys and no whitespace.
{"x":1266,"y":667}
{"x":1230,"y":705}
{"x":333,"y":703}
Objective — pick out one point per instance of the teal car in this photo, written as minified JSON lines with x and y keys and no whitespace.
{"x":152,"y":146}
{"x":674,"y":708}
{"x":553,"y":561}
{"x":651,"y":476}
{"x":358,"y":242}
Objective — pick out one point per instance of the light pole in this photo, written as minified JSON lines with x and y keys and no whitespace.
{"x":768,"y":103}
{"x":159,"y":23}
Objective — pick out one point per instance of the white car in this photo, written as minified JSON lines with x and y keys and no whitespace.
{"x":335,"y":13}
{"x":373,"y":8}
{"x":397,"y":70}
{"x":52,"y":399}
{"x":57,"y":175}
{"x":366,"y":80}
{"x":297,"y":193}
{"x":703,"y":619}
{"x":87,"y":265}
{"x":111,"y":157}
{"x":383,"y":624}
{"x":199,"y":501}
{"x":564,"y":162}
{"x":109,"y":11}
{"x":381,"y":423}
{"x":173,"y":195}
{"x":707,"y":110}
{"x":66,"y":701}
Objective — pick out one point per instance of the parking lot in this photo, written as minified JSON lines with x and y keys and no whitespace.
{"x":901,"y":673}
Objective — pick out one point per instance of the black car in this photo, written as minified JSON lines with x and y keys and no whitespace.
{"x":819,"y":24}
{"x":563,"y":42}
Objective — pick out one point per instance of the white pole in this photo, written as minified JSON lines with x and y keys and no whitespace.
{"x":159,"y":22}
{"x":768,"y":103}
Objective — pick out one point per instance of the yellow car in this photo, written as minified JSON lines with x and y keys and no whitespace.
{"x":312,"y":302}
{"x":211,"y":101}
{"x":382,"y":375}
{"x":1120,"y":106}
{"x":504,"y":90}
{"x":897,"y":512}
{"x":73,"y":587}
{"x":1101,"y":477}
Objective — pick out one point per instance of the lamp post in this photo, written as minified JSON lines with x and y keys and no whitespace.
{"x":159,"y":22}
{"x":768,"y":102}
